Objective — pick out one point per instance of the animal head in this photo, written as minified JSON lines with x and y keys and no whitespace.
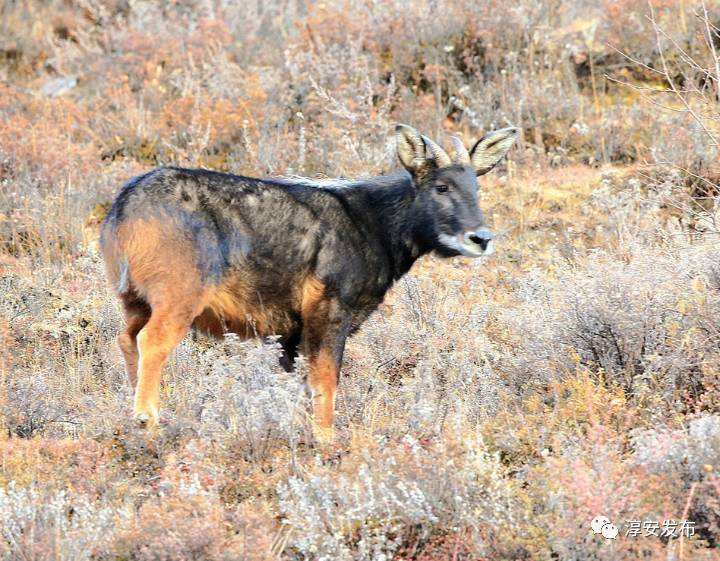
{"x":447,"y":189}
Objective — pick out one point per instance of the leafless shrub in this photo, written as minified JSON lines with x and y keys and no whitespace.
{"x":622,"y":319}
{"x":391,"y":501}
{"x":428,"y":364}
{"x":31,"y":407}
{"x":37,"y":525}
{"x":684,"y":453}
{"x":238,"y":392}
{"x":688,"y":100}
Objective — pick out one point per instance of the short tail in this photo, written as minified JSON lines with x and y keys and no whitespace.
{"x":124,"y":278}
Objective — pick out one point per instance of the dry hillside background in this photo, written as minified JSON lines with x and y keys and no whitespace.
{"x":490,"y":409}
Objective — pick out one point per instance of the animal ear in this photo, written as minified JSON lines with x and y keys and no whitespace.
{"x":411,"y":149}
{"x":491,"y":148}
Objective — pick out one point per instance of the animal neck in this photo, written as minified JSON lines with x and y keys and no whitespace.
{"x":399,"y":223}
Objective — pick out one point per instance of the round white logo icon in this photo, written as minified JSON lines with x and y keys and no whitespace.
{"x":610,"y":531}
{"x":598,"y":522}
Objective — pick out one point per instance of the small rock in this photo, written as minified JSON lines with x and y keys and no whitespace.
{"x":59,"y":86}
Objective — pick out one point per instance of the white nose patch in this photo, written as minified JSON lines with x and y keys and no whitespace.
{"x":465,"y":246}
{"x":490,"y":248}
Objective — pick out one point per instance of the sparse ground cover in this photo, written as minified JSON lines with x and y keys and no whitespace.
{"x":489,"y":410}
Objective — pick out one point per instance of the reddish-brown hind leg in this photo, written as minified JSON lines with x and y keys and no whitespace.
{"x":165,"y":329}
{"x":159,"y":261}
{"x":137,"y":314}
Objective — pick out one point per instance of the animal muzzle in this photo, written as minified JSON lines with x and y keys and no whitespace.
{"x":480,"y":240}
{"x":475,"y":243}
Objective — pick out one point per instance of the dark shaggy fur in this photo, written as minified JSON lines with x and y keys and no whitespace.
{"x":306,"y":261}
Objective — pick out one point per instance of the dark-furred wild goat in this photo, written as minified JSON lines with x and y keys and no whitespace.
{"x":305,"y":261}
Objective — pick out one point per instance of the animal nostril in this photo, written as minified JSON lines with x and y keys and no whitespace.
{"x":481,"y":238}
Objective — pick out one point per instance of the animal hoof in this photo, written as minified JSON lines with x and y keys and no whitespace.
{"x":143,"y":420}
{"x":324,"y":436}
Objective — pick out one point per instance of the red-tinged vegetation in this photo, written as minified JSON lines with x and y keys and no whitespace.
{"x":489,"y":410}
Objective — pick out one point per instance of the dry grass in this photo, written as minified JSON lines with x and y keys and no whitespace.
{"x":487,"y":411}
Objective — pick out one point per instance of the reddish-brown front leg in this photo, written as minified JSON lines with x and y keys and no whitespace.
{"x":322,"y":381}
{"x":323,"y":341}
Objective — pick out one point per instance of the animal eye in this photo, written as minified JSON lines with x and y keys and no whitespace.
{"x":442,"y":188}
